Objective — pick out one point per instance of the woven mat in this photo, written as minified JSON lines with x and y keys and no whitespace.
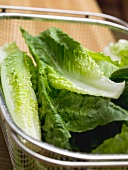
{"x":5,"y":162}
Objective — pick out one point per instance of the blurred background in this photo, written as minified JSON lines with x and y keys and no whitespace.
{"x":118,"y":8}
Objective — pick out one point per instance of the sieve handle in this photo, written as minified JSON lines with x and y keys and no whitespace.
{"x":62,"y":163}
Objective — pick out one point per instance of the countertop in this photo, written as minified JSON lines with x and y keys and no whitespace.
{"x":84,"y":5}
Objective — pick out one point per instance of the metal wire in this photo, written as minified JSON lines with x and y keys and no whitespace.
{"x":48,"y":10}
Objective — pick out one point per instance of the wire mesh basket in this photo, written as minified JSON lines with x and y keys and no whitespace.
{"x":92,"y":30}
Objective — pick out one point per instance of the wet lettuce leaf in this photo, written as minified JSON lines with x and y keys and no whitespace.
{"x":118,"y":52}
{"x":18,"y":92}
{"x":119,"y":76}
{"x":106,"y":64}
{"x":73,"y":68}
{"x":54,"y":130}
{"x":84,"y":112}
{"x":33,"y":71}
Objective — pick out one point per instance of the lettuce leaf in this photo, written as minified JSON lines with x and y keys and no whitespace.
{"x":54,"y":130}
{"x":73,"y":68}
{"x":118,"y":52}
{"x":33,"y":71}
{"x":106,"y":64}
{"x":119,"y":76}
{"x":83,"y":112}
{"x":18,"y":92}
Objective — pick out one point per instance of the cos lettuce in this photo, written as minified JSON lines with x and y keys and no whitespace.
{"x":18,"y":92}
{"x":73,"y":68}
{"x":118,"y":51}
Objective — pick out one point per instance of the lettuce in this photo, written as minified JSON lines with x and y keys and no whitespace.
{"x":18,"y":92}
{"x":71,"y":67}
{"x":118,"y":52}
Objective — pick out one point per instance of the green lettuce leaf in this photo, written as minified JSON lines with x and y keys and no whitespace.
{"x":73,"y":68}
{"x":83,"y":112}
{"x":18,"y":92}
{"x":118,"y":52}
{"x":33,"y":71}
{"x":106,"y":64}
{"x":54,"y":130}
{"x":119,"y":76}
